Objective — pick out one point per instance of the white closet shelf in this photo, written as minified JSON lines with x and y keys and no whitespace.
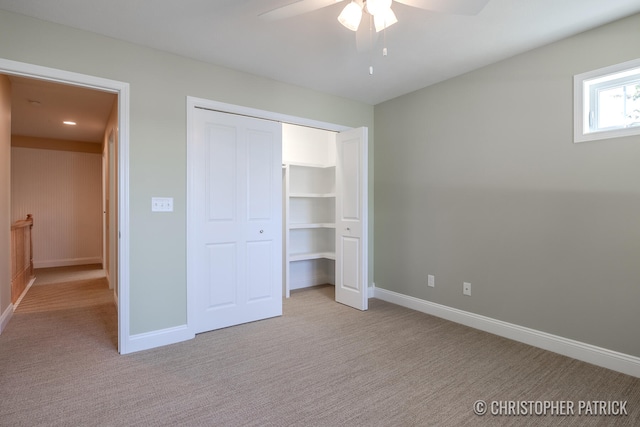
{"x":312,"y":225}
{"x":312,"y":255}
{"x":309,"y":165}
{"x":310,"y":215}
{"x":327,"y":195}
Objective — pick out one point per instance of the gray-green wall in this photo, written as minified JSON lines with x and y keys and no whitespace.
{"x":159,"y":84}
{"x":477,"y":179}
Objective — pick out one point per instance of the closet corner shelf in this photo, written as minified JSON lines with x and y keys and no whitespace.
{"x":312,"y":225}
{"x":326,"y":195}
{"x":312,"y":255}
{"x":309,"y":165}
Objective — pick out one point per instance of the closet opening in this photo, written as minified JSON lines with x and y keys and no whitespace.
{"x":321,"y":218}
{"x":309,"y":207}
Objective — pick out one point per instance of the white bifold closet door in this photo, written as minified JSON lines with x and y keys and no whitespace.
{"x":237,"y":213}
{"x":351,"y":218}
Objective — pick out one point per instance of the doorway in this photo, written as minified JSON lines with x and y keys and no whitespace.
{"x":118,"y":207}
{"x":351,"y":278}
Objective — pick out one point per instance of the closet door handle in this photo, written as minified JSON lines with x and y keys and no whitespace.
{"x":261,"y":231}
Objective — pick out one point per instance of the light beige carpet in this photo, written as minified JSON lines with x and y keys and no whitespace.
{"x":53,"y":275}
{"x":320,"y":364}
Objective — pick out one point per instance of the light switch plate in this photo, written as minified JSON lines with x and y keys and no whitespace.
{"x":162,"y":204}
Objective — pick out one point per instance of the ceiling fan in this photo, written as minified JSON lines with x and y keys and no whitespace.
{"x":380,"y":10}
{"x":380,"y":14}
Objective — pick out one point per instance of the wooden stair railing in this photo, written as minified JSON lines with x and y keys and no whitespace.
{"x":21,"y":256}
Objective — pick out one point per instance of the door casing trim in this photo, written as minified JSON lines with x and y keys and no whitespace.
{"x":122,"y":90}
{"x":193,"y":103}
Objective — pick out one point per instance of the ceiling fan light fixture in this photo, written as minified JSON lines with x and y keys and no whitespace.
{"x":351,"y":16}
{"x":384,"y":19}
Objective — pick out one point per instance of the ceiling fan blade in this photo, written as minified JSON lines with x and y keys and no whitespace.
{"x":456,"y":7}
{"x":296,"y":8}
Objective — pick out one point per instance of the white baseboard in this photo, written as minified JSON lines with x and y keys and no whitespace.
{"x":66,"y":262}
{"x":108,"y":277}
{"x":8,"y":313}
{"x":308,"y":282}
{"x":26,"y":289}
{"x":157,"y":338}
{"x":599,"y":356}
{"x":5,"y":317}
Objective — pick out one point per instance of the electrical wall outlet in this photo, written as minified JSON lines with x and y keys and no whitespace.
{"x":431,"y":281}
{"x":466,"y":288}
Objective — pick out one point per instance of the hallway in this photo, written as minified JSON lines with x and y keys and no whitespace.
{"x":62,"y":294}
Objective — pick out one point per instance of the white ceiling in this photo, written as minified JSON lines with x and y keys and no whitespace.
{"x":315,"y":51}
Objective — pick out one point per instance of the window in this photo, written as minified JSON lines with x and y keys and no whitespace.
{"x":607,"y":102}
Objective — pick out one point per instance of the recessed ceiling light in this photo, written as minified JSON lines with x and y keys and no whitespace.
{"x":70,"y":123}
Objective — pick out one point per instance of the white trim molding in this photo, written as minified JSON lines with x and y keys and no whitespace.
{"x":585,"y":87}
{"x":122,"y":90}
{"x":159,"y":338}
{"x":194,"y":102}
{"x":599,"y":356}
{"x":5,"y":317}
{"x":23,"y":294}
{"x":372,"y":291}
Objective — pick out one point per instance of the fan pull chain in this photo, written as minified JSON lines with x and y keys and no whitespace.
{"x":371,"y":42}
{"x":384,"y":42}
{"x":384,"y":46}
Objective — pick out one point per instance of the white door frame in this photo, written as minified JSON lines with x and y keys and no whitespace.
{"x":192,"y":103}
{"x":122,"y":90}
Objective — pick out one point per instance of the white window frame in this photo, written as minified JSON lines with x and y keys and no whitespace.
{"x":584,"y":87}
